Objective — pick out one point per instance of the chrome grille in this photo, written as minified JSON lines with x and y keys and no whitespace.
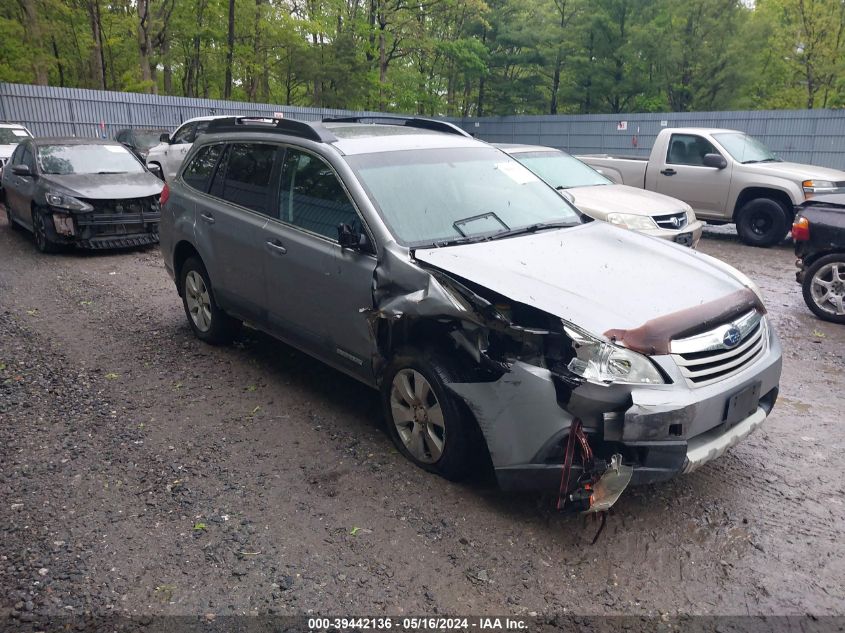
{"x":672,"y":221}
{"x":705,"y":358}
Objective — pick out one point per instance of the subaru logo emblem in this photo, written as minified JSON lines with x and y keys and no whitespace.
{"x":732,"y":337}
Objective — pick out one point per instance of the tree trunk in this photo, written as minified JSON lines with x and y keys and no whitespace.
{"x":98,"y":60}
{"x":230,"y":51}
{"x":33,"y":33}
{"x":144,"y":45}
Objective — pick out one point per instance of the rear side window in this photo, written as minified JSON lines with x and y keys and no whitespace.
{"x":312,"y":198}
{"x":199,"y":171}
{"x":246,"y":179}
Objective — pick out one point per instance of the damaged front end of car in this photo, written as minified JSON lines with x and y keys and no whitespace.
{"x":558,"y":407}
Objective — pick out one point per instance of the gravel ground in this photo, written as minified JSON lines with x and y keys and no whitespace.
{"x":145,"y":473}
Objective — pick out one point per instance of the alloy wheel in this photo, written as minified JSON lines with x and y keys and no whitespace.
{"x":417,"y":416}
{"x":198,"y":300}
{"x":828,"y":288}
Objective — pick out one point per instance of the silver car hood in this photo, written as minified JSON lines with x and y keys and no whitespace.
{"x":596,"y":276}
{"x":604,"y":199}
{"x":105,"y":186}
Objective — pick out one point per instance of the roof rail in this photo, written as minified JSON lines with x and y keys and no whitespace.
{"x":291,"y":127}
{"x":408,"y":121}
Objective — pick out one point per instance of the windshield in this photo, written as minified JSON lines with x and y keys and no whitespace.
{"x":745,"y":149}
{"x":12,"y":136}
{"x":561,"y":170}
{"x":436,"y":195}
{"x":145,"y":139}
{"x":87,"y":159}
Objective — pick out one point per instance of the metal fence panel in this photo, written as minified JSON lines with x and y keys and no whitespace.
{"x":810,"y":136}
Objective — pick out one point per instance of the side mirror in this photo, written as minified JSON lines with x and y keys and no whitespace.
{"x":347,"y":237}
{"x":714,"y":160}
{"x":21,"y":170}
{"x":164,"y":138}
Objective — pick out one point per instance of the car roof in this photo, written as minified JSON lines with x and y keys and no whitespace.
{"x":702,"y":130}
{"x":204,"y":118}
{"x":73,"y":140}
{"x":518,"y":148}
{"x":347,"y":136}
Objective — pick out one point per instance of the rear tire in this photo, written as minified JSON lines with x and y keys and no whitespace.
{"x":208,"y":322}
{"x":824,"y":288}
{"x":762,"y":222}
{"x":40,"y":233}
{"x":422,"y":416}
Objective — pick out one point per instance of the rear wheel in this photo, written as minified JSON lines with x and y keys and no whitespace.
{"x":423,"y":418}
{"x":207,"y":320}
{"x":762,"y":222}
{"x":824,"y":288}
{"x":41,"y":234}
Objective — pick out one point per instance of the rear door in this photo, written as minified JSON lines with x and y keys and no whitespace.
{"x":316,"y":289}
{"x":20,"y":190}
{"x":230,"y":223}
{"x":685,"y":177}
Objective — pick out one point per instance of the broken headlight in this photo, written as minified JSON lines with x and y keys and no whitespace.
{"x":631,"y":221}
{"x":63,"y":201}
{"x":599,"y":361}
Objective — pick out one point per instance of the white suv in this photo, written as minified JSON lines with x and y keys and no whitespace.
{"x":10,"y":135}
{"x":165,"y":158}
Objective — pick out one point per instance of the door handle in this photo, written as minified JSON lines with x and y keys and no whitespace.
{"x":668,"y":172}
{"x":207,"y":218}
{"x":275,"y":246}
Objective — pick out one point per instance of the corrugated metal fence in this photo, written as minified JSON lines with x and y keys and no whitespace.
{"x":805,"y":136}
{"x":808,"y":136}
{"x":51,"y":111}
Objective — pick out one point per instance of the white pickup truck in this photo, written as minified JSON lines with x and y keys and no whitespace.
{"x":725,"y":176}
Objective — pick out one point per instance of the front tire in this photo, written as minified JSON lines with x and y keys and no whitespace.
{"x":423,"y":418}
{"x":762,"y":222}
{"x":208,"y":322}
{"x":824,"y":288}
{"x":40,"y":233}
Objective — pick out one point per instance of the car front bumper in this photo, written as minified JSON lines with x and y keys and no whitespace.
{"x":660,"y":430}
{"x":687,"y":236}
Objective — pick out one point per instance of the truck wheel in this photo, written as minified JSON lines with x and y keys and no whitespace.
{"x":762,"y":222}
{"x":423,"y":419}
{"x":41,"y":234}
{"x":824,"y":288}
{"x":207,"y":320}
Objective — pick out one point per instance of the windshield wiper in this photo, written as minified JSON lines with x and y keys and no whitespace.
{"x":533,"y":228}
{"x":111,"y":172}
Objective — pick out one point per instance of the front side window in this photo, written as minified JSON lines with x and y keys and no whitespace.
{"x":561,"y":170}
{"x":312,"y":198}
{"x":87,"y":159}
{"x":689,"y":149}
{"x":199,"y":171}
{"x":246,"y":179}
{"x":435,"y":195}
{"x":184,"y":134}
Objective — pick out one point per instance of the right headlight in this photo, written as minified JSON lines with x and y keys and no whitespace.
{"x":63,"y":201}
{"x":631,"y":221}
{"x":602,"y":362}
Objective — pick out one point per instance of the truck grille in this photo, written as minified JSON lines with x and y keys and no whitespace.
{"x":671,"y":221}
{"x":706,"y":358}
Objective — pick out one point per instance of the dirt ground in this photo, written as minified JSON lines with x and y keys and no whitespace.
{"x":144,"y":472}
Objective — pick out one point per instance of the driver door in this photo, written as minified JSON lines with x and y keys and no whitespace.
{"x":685,"y":177}
{"x":175,"y":153}
{"x":316,"y":289}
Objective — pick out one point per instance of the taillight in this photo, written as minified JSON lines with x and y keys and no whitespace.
{"x":801,"y":230}
{"x":165,"y":194}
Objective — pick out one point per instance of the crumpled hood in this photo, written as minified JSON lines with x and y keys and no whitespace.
{"x":604,"y":199}
{"x":104,"y":186}
{"x":596,"y":276}
{"x":796,"y":171}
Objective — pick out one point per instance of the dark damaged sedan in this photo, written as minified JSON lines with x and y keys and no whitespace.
{"x":83,"y":192}
{"x":579,"y":356}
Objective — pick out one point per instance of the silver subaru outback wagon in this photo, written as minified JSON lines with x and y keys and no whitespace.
{"x":491,"y":316}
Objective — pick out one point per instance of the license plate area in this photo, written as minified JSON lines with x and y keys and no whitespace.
{"x":684,"y":238}
{"x":740,"y":405}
